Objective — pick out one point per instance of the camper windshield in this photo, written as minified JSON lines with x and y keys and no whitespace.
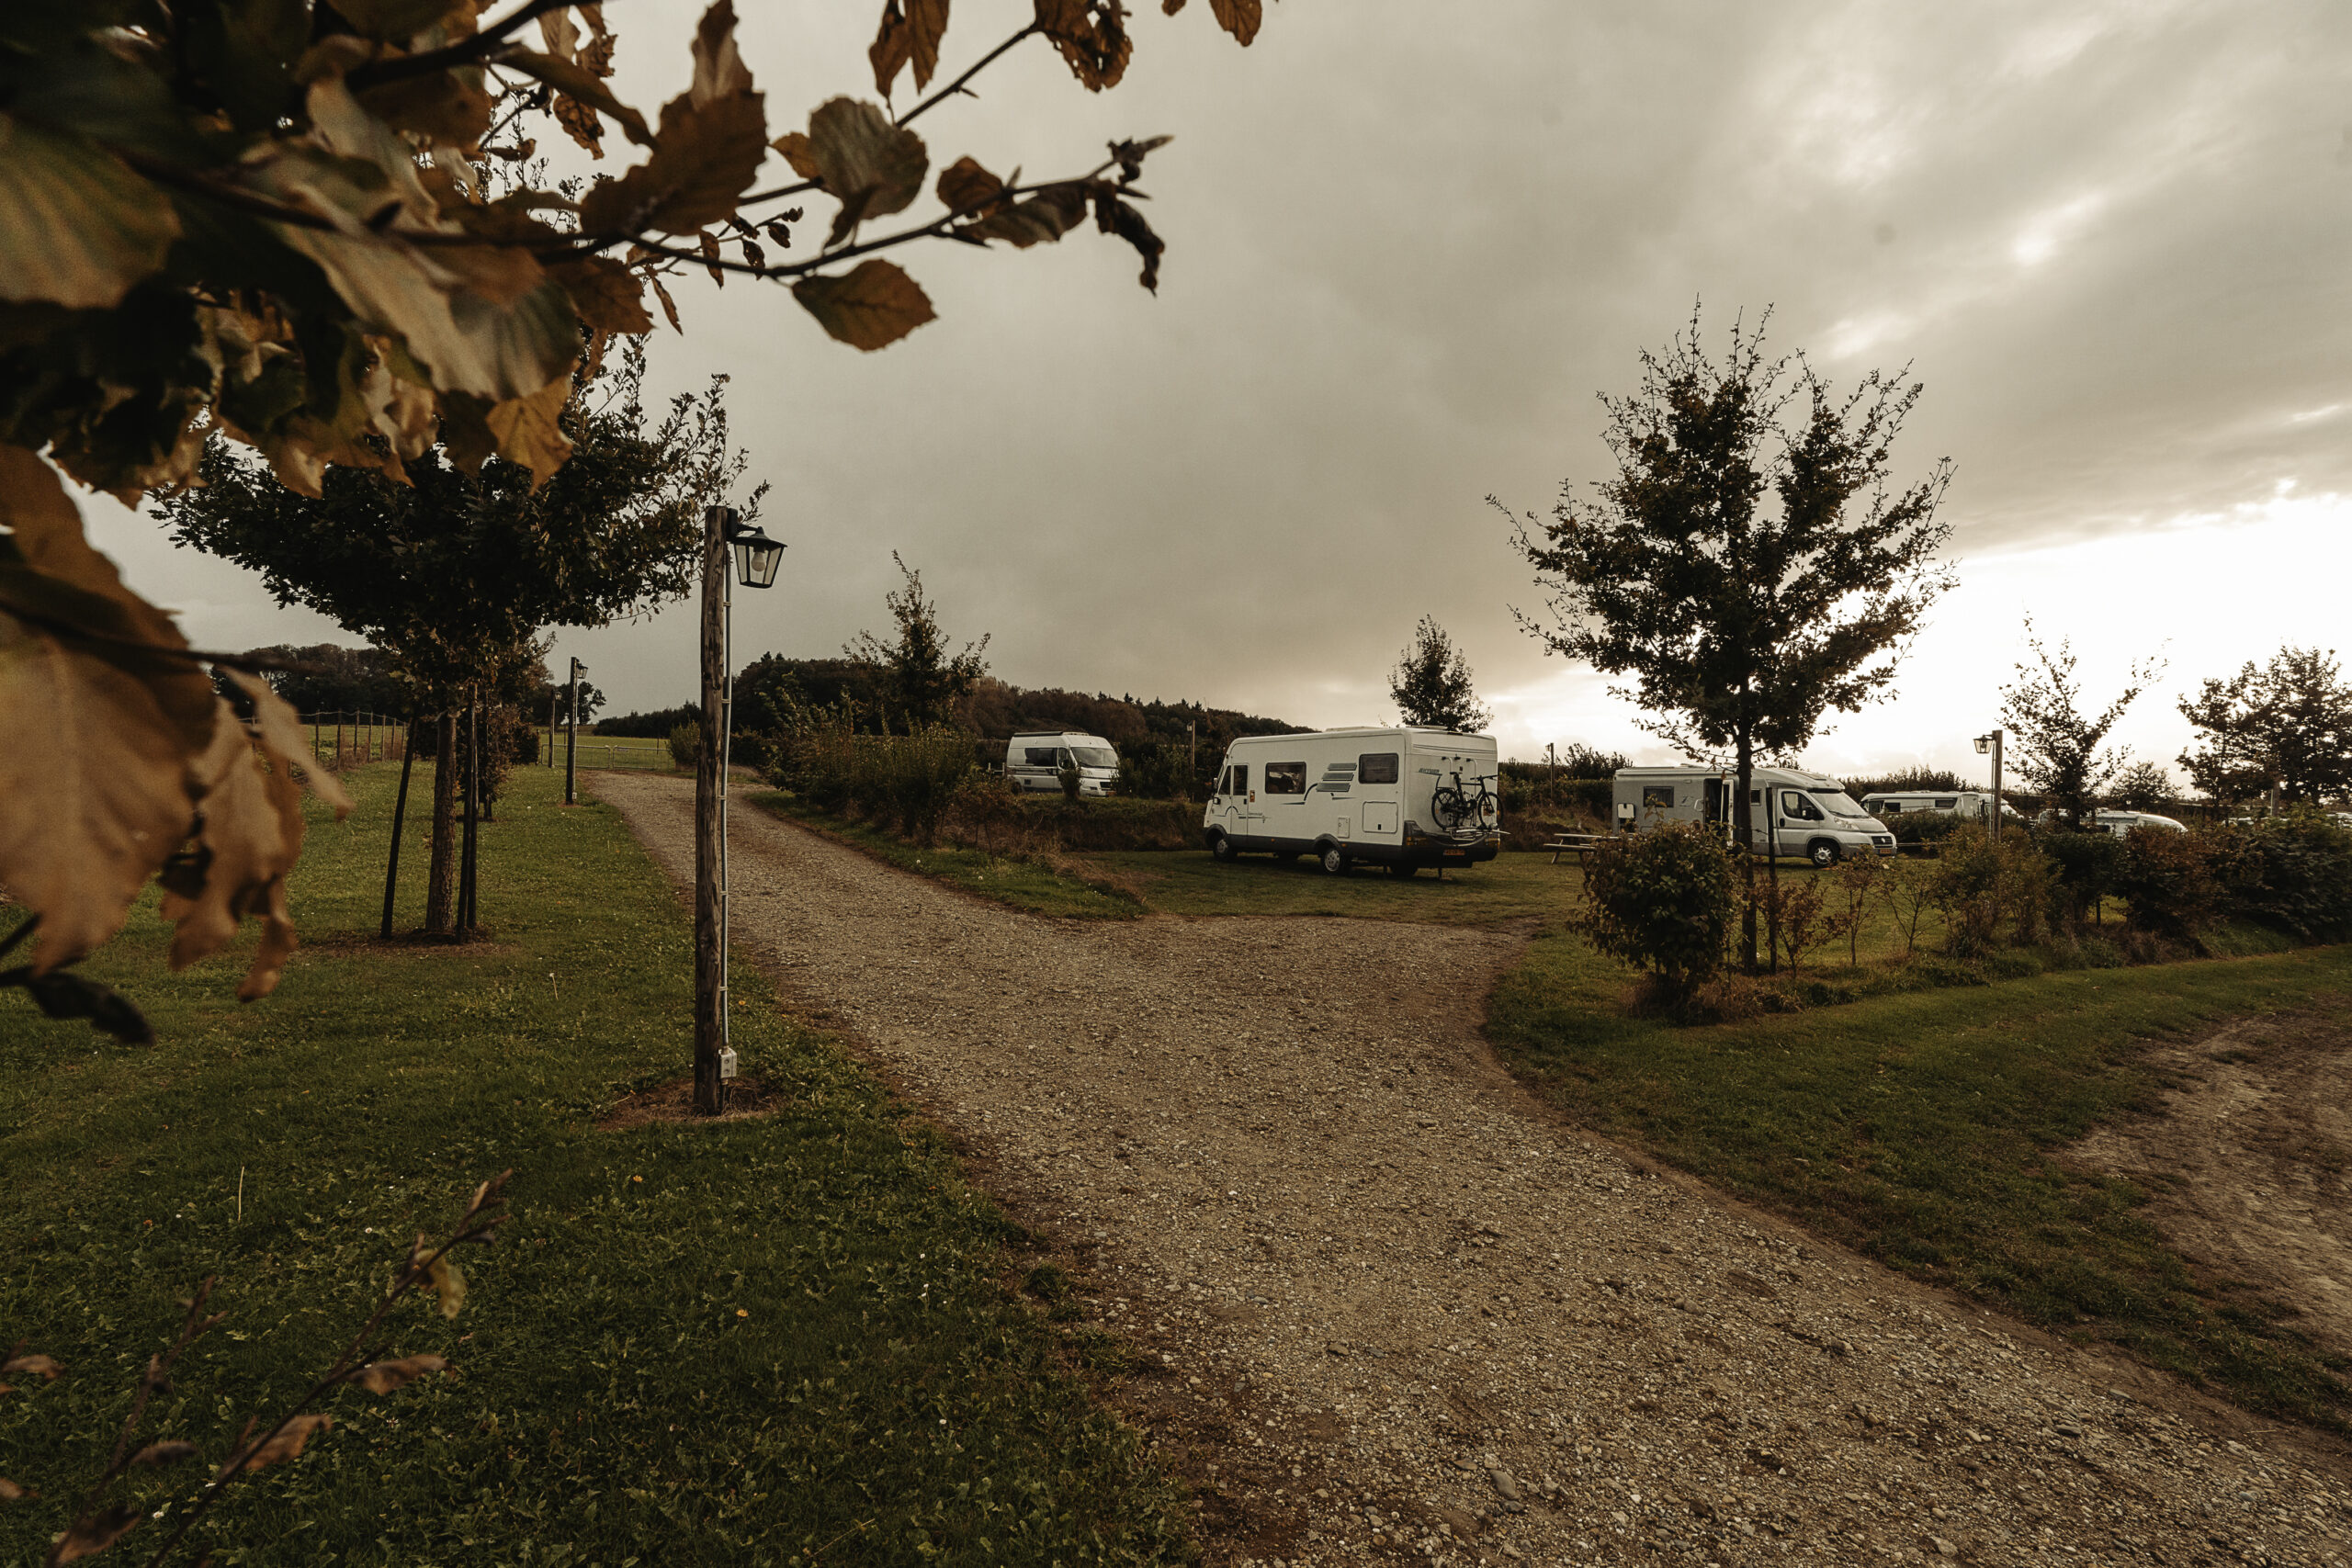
{"x":1095,"y":756}
{"x":1838,"y":803}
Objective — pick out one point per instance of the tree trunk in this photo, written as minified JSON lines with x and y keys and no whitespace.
{"x":400,"y":815}
{"x":1746,"y":812}
{"x":470,"y":782}
{"x":711,"y":999}
{"x":441,"y":880}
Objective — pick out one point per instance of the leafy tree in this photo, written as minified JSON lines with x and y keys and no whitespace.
{"x":2142,"y":787}
{"x":1662,"y":900}
{"x":1578,"y":761}
{"x":1431,"y":683}
{"x":453,"y":575}
{"x":2288,"y":723}
{"x":326,"y":678}
{"x":2054,"y":746}
{"x":275,"y":222}
{"x":1748,"y":567}
{"x":922,"y":683}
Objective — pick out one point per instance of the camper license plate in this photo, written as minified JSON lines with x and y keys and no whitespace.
{"x":1458,"y":855}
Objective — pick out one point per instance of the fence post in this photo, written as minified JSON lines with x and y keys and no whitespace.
{"x":399,"y":812}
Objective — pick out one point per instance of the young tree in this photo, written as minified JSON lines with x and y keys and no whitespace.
{"x":453,"y":575}
{"x":275,"y":222}
{"x":2288,"y":723}
{"x":2056,"y":747}
{"x":1748,"y":567}
{"x":921,"y":681}
{"x":2142,"y":787}
{"x":1431,"y":683}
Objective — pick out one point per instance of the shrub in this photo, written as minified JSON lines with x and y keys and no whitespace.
{"x":1801,"y":920}
{"x":2166,"y":881}
{"x":2291,"y":872}
{"x":1982,"y":881}
{"x":1662,"y":900}
{"x":919,"y":775}
{"x":685,"y":744}
{"x":1155,"y":770}
{"x":1922,"y":827}
{"x":2084,"y":869}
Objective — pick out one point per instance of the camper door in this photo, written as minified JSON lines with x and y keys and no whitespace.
{"x":1282,"y":799}
{"x":1240,"y":813}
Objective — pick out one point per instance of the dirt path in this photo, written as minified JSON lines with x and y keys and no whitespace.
{"x":1399,"y":1313}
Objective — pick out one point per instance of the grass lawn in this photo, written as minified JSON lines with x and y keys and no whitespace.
{"x":734,"y":1344}
{"x":1024,"y":885}
{"x":1925,"y":1129}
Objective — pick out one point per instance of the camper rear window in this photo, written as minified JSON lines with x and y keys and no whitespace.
{"x":1039,"y":756}
{"x":1285,"y":778}
{"x":1376,"y":767}
{"x":1657,"y":797}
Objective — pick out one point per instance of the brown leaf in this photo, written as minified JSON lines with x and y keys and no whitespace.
{"x":1239,"y":17}
{"x":580,"y":122}
{"x":383,"y":1377}
{"x":875,"y":305}
{"x":163,"y":1453}
{"x":39,"y":1365}
{"x":500,"y":273}
{"x":708,"y":242}
{"x":251,"y":833}
{"x":12,"y":1492}
{"x":1039,"y":220}
{"x":449,"y":1284}
{"x":287,"y":747}
{"x":288,"y":1442}
{"x":1113,"y":216}
{"x":448,"y":106}
{"x":703,"y":159}
{"x":871,"y":166}
{"x":561,"y":34}
{"x":528,"y":430}
{"x":91,"y":1536}
{"x":1091,"y":36}
{"x":580,"y":83}
{"x":77,"y":228}
{"x":94,"y":737}
{"x":719,"y":72}
{"x":798,"y":151}
{"x":967,"y":189}
{"x":1170,"y":7}
{"x":465,"y":431}
{"x":911,"y":31}
{"x":669,"y":306}
{"x":608,"y":295}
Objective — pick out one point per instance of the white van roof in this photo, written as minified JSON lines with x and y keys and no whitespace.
{"x":1768,"y":775}
{"x":1057,"y":735}
{"x":1420,"y":734}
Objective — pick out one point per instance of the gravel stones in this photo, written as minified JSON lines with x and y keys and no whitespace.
{"x":1280,"y":1156}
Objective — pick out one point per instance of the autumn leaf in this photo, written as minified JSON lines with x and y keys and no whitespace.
{"x":578,"y":82}
{"x":396,"y":21}
{"x":874,"y":306}
{"x":163,"y":1453}
{"x":1239,"y":17}
{"x":63,"y":994}
{"x":703,"y":159}
{"x":719,"y":72}
{"x":1113,"y":216}
{"x":1039,"y":220}
{"x":669,"y":306}
{"x":91,"y":1536}
{"x":452,"y":106}
{"x":77,"y":227}
{"x":968,"y":189}
{"x":37,"y":1366}
{"x":1091,"y":36}
{"x":607,"y":295}
{"x":383,"y":1377}
{"x":911,"y":31}
{"x":528,"y":432}
{"x":872,"y":166}
{"x":286,"y":1442}
{"x":281,"y":737}
{"x":449,"y":1284}
{"x":94,"y":735}
{"x":12,"y":1492}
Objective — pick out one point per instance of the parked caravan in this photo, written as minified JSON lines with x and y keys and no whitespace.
{"x":1403,"y":798}
{"x":1790,"y":813}
{"x":1035,"y":761}
{"x":1968,"y":805}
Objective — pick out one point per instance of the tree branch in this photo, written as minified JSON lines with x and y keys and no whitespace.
{"x":469,"y":51}
{"x":956,"y":87}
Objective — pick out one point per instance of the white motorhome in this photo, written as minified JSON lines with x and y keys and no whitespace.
{"x":1790,"y":813}
{"x":1404,"y":799}
{"x":1969,"y":804}
{"x":1035,"y":761}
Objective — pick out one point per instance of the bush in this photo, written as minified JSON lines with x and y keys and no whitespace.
{"x":1662,"y":900}
{"x":2291,"y":872}
{"x":685,"y":744}
{"x":2166,"y":881}
{"x":1922,"y":827}
{"x":1982,"y":883}
{"x":2085,"y":867}
{"x":1155,"y":770}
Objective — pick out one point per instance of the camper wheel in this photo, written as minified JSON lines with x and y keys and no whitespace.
{"x":1222,"y":849}
{"x":1823,"y":853}
{"x":1336,"y":862}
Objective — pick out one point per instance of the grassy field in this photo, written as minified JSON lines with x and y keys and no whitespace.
{"x":1927,"y":1130}
{"x":745,"y":1343}
{"x":1029,"y":885}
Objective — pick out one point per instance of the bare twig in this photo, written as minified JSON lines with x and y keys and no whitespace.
{"x":473,"y":51}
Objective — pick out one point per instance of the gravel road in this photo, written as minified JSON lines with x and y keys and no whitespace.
{"x":1394,"y":1311}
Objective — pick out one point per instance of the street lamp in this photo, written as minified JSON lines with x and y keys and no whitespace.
{"x":1991,"y":743}
{"x":756,"y":557}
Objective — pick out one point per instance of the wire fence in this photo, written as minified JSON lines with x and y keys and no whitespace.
{"x":348,"y":740}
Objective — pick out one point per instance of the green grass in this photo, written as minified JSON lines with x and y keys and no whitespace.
{"x":1927,"y":1130}
{"x":723,"y":1344}
{"x":1509,"y":888}
{"x":1026,"y":884}
{"x":618,"y":751}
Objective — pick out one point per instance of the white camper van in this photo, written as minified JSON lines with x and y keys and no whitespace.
{"x":1968,"y":805}
{"x":1035,"y":761}
{"x":1403,"y":798}
{"x":1790,"y":813}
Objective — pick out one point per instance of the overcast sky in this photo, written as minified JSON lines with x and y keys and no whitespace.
{"x":1408,"y":244}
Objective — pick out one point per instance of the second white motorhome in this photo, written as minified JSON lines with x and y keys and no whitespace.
{"x":1790,"y":813}
{"x":1404,"y":799}
{"x":1968,"y":805}
{"x":1035,"y":761}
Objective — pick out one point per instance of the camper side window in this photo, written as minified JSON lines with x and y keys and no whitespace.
{"x":1889,"y":807}
{"x":1285,"y":778}
{"x":1376,"y":767}
{"x":1795,"y":808}
{"x":1948,"y":803}
{"x":1038,"y":756}
{"x":1657,"y":797}
{"x":1237,"y":779}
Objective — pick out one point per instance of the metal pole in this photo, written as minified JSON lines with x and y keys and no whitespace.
{"x":399,"y":814}
{"x":726,"y":754}
{"x":1997,"y":786}
{"x":553,"y":697}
